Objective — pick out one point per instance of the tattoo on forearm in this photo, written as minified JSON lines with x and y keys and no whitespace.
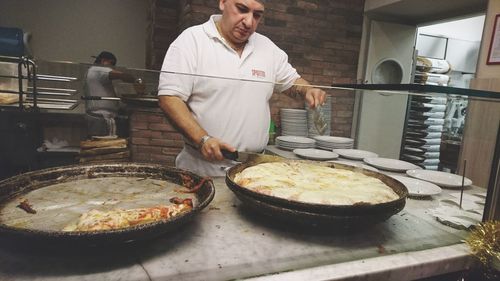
{"x":294,"y":91}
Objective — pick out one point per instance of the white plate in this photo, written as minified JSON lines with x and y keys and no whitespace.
{"x":334,"y":140}
{"x":468,"y":197}
{"x":390,"y":164}
{"x":442,"y":179}
{"x":431,"y":148}
{"x":292,"y":147}
{"x":418,"y":188}
{"x":355,"y":164}
{"x":355,"y":154}
{"x":295,"y":139}
{"x":293,"y":110}
{"x":480,"y":194}
{"x":315,"y":154}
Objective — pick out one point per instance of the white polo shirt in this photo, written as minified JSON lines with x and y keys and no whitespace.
{"x":234,"y":110}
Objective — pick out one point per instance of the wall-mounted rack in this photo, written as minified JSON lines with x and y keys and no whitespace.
{"x":27,"y":90}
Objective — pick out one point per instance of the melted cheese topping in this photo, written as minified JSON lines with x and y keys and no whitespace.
{"x":118,"y":218}
{"x":317,"y":184}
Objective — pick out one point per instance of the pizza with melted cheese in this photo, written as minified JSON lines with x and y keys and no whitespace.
{"x":118,"y":218}
{"x":309,"y":183}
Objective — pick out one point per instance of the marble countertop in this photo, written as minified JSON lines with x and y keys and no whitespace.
{"x":228,"y":241}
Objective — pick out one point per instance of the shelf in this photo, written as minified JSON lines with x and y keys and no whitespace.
{"x":43,"y":77}
{"x":31,"y":97}
{"x":40,"y":93}
{"x":46,"y":103}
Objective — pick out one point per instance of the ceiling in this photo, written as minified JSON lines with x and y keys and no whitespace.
{"x":416,"y":12}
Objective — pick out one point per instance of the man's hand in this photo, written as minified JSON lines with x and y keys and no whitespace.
{"x":211,"y":149}
{"x":139,"y":86}
{"x":315,"y":97}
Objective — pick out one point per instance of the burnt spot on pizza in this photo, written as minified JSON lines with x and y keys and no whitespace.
{"x":92,"y":174}
{"x":186,"y":180}
{"x":381,"y":249}
{"x":197,"y":187}
{"x":26,"y":206}
{"x":178,"y":201}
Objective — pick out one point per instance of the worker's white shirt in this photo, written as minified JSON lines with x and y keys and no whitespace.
{"x":235,"y":111}
{"x":97,"y":83}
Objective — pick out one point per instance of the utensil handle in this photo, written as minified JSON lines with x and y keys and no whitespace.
{"x":90,"y":98}
{"x":99,"y":98}
{"x":230,"y":155}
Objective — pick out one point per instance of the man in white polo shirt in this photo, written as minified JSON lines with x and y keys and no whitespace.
{"x":216,"y":82}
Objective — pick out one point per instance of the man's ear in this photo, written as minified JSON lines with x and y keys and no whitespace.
{"x":221,"y":4}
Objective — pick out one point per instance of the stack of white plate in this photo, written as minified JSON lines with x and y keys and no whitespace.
{"x":293,"y":142}
{"x":331,"y":142}
{"x":293,"y":122}
{"x":326,"y":112}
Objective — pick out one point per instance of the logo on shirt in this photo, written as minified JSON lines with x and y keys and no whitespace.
{"x":258,"y":73}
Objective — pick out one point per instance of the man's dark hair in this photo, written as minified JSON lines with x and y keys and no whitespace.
{"x":105,"y":55}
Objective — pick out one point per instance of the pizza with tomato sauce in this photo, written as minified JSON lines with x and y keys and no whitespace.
{"x":95,"y":220}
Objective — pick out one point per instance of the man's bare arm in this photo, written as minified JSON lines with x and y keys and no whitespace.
{"x":139,"y":85}
{"x":313,"y":96}
{"x":177,"y":110}
{"x":179,"y":113}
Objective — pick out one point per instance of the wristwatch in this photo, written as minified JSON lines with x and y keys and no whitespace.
{"x":203,"y":140}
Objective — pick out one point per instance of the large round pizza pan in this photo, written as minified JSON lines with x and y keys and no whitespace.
{"x":333,"y":212}
{"x":60,"y":195}
{"x":307,"y":218}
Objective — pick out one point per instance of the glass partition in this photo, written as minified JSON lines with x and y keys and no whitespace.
{"x":385,"y":125}
{"x":429,"y":136}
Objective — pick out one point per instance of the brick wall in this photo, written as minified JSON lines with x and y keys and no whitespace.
{"x":322,"y":39}
{"x":153,"y":139}
{"x":163,"y":27}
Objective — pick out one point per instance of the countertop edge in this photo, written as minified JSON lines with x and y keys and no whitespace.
{"x":396,"y":267}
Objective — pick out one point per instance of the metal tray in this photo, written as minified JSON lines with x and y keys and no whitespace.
{"x":60,"y":195}
{"x":414,"y":142}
